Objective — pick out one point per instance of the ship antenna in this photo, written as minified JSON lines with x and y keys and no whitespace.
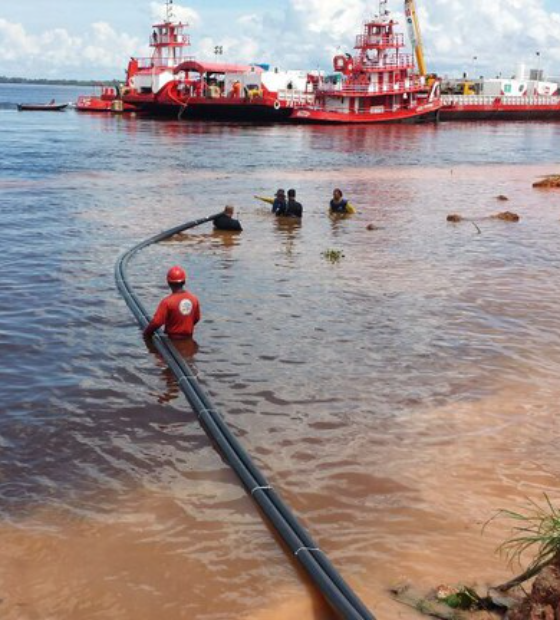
{"x":383,"y":11}
{"x":169,"y":10}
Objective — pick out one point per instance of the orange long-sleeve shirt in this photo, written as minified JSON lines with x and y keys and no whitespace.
{"x":179,"y":312}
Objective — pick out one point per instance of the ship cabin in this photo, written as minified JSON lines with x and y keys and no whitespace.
{"x":169,"y":42}
{"x":243,"y":82}
{"x":380,"y":77}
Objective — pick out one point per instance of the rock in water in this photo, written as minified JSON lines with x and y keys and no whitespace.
{"x":543,"y":600}
{"x":546,"y":589}
{"x":506,"y":216}
{"x":548,"y":182}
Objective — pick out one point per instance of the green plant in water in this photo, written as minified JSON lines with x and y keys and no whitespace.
{"x":333,"y":256}
{"x":539,"y":528}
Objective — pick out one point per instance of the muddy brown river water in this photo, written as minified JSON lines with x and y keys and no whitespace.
{"x":397,"y":398}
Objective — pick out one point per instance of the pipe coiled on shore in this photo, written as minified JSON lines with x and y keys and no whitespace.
{"x":332,"y":586}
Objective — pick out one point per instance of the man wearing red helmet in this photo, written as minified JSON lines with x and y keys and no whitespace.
{"x":179,"y":312}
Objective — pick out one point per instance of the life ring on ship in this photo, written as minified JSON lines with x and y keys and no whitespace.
{"x":276,"y":105}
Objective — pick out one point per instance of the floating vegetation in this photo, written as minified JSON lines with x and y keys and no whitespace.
{"x":448,"y":603}
{"x":550,"y":181}
{"x":333,"y":256}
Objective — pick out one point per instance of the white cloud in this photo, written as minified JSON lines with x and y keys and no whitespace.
{"x":304,"y":34}
{"x":501,"y":34}
{"x":14,"y":42}
{"x":100,"y":52}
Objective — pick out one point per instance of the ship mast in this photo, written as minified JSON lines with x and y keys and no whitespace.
{"x":169,"y":15}
{"x":383,"y":10}
{"x":169,"y":40}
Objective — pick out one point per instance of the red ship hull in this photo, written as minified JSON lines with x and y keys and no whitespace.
{"x":499,"y":109}
{"x":98,"y":104}
{"x":223,"y":109}
{"x":427,"y":113}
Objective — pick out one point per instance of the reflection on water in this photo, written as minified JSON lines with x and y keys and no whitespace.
{"x":397,"y":398}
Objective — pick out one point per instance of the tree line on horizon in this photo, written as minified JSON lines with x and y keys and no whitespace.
{"x":56,"y":82}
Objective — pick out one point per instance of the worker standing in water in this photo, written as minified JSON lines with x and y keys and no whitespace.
{"x":226,"y":221}
{"x":279,"y":204}
{"x":179,"y":312}
{"x":293,"y":207}
{"x":339,"y":204}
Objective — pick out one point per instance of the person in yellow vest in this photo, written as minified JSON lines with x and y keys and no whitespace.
{"x":339,"y":204}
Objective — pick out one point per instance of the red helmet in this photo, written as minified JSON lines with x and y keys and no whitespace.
{"x":176,"y":275}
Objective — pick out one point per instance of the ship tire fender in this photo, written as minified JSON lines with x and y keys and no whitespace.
{"x":276,"y":105}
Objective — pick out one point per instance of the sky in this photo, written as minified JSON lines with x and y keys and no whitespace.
{"x":82,"y":39}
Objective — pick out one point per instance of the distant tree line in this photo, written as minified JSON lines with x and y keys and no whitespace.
{"x":42,"y":81}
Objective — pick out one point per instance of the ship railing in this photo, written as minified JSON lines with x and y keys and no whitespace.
{"x":372,"y":89}
{"x":488,"y":100}
{"x":179,"y":39}
{"x":377,"y":109}
{"x":378,"y":40}
{"x":404,"y":61}
{"x":166,"y":63}
{"x":294,"y":98}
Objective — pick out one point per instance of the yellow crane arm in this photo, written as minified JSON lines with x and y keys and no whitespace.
{"x":415,"y":36}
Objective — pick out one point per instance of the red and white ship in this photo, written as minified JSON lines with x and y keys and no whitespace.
{"x":172,"y":83}
{"x":379,"y":84}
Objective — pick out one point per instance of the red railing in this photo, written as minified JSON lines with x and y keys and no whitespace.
{"x":378,"y":40}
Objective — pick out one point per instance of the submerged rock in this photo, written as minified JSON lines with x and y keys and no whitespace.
{"x":455,"y":218}
{"x":506,"y":216}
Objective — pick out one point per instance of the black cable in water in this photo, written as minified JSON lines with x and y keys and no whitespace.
{"x":332,"y":586}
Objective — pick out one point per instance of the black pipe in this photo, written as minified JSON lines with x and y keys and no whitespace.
{"x":333,"y":587}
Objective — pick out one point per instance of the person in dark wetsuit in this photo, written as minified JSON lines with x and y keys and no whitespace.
{"x":338,"y":203}
{"x":279,"y":204}
{"x":293,"y":208}
{"x":225,"y":221}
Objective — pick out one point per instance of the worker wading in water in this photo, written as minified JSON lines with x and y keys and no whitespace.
{"x":338,"y":204}
{"x":226,"y":221}
{"x":179,"y":312}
